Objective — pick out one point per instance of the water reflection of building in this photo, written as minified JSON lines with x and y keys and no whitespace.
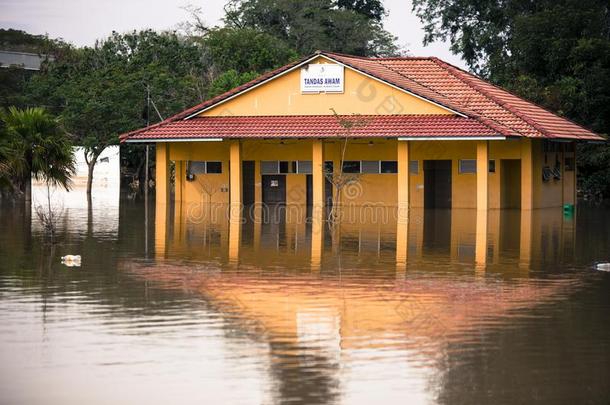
{"x":77,"y":215}
{"x":297,"y":236}
{"x":321,"y":295}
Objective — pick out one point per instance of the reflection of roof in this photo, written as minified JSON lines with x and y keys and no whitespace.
{"x":303,"y":126}
{"x":437,"y":82}
{"x":367,"y":308}
{"x":24,"y":60}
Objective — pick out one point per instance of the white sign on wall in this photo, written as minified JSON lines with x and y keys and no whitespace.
{"x":322,"y":77}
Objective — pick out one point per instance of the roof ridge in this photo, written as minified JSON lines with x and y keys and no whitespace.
{"x":505,"y":105}
{"x":451,"y":69}
{"x":471,"y":113}
{"x":449,"y":104}
{"x":541,"y":107}
{"x":375,"y":58}
{"x":332,"y":115}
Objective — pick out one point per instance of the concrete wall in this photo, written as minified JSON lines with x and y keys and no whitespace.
{"x":371,"y":188}
{"x":362,"y":95}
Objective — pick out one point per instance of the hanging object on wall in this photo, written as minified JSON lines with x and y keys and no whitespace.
{"x":547,"y":173}
{"x":557,"y":169}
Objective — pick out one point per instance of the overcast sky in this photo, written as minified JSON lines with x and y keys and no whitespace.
{"x":83,"y":21}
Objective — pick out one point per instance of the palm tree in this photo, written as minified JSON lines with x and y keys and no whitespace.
{"x":34,"y":144}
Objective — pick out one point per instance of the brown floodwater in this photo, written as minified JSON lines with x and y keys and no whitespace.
{"x":277,"y":307}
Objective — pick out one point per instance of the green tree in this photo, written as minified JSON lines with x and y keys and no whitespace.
{"x":102,"y":90}
{"x":246,"y":50}
{"x":307,"y":25}
{"x":553,"y":52}
{"x":34,"y":144}
{"x":372,"y":9}
{"x":228,"y":80}
{"x":13,"y":80}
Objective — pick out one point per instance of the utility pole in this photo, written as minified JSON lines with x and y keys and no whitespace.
{"x":146,"y":175}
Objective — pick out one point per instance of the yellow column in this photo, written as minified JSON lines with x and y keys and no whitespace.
{"x":234,"y":239}
{"x":527,"y":171}
{"x":482,"y":175}
{"x":235,"y":173}
{"x":403,"y":178}
{"x":162,"y":174}
{"x":161,"y":198}
{"x":318,"y":173}
{"x":402,"y":245}
{"x":494,"y":233}
{"x":235,"y":200}
{"x":525,"y":240}
{"x":317,"y":238}
{"x":160,"y":231}
{"x":481,"y":242}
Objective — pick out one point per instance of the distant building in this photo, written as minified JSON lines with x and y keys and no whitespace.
{"x":107,"y":169}
{"x":107,"y":173}
{"x":23,"y":60}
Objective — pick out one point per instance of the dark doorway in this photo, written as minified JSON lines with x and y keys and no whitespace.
{"x":437,"y":232}
{"x":510,"y":184}
{"x":437,"y":183}
{"x":328,"y":185}
{"x":274,"y":189}
{"x":247,"y":181}
{"x":309,"y":189}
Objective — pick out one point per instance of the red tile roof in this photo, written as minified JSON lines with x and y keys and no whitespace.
{"x":493,"y":108}
{"x":317,"y":126}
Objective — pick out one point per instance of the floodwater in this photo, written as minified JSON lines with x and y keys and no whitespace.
{"x":447,"y":307}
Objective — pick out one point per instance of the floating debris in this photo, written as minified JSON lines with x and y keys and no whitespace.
{"x":602,"y":267}
{"x":71,"y":260}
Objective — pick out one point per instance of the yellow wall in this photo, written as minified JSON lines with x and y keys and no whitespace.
{"x":510,"y":149}
{"x":463,"y":186}
{"x":553,"y":193}
{"x":372,"y":189}
{"x":362,"y":95}
{"x":217,"y":185}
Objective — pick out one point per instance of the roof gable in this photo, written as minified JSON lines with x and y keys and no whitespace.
{"x":436,"y":82}
{"x":362,"y":94}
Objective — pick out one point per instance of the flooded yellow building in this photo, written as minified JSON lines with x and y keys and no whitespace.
{"x":397,"y":132}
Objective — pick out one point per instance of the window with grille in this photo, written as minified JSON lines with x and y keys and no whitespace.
{"x":414,"y":166}
{"x":389,"y":166}
{"x":351,"y":166}
{"x":270,"y":167}
{"x":304,"y":166}
{"x":203,"y":167}
{"x":467,"y":166}
{"x":369,"y":166}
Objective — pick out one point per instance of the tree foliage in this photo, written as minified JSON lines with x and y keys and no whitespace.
{"x":353,"y":27}
{"x":33,"y":143}
{"x":553,"y":52}
{"x":228,"y":80}
{"x":13,"y":80}
{"x":246,"y":50}
{"x":102,"y":90}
